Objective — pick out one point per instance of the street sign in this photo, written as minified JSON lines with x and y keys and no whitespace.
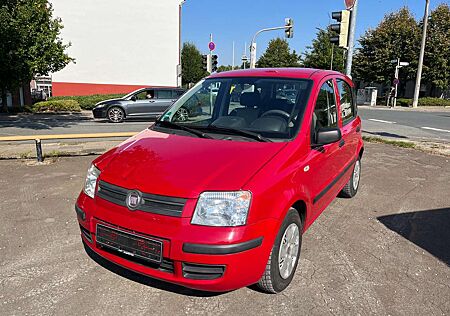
{"x":349,"y":4}
{"x":404,"y":64}
{"x":396,"y":81}
{"x":211,"y":46}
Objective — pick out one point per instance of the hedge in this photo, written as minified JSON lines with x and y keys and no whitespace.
{"x":424,"y":102}
{"x":88,"y":102}
{"x":55,"y":106}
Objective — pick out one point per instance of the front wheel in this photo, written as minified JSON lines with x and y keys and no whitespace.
{"x":181,"y":115}
{"x":351,"y":188}
{"x":283,"y":259}
{"x":116,"y":114}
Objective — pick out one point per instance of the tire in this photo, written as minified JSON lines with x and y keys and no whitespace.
{"x":115,"y":114}
{"x":275,"y":278}
{"x":351,"y":188}
{"x":182,"y":115}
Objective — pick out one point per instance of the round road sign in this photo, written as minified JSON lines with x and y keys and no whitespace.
{"x":211,"y":46}
{"x":349,"y":4}
{"x":396,"y":81}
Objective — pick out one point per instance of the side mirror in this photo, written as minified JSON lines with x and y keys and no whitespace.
{"x":327,"y":136}
{"x":133,"y":98}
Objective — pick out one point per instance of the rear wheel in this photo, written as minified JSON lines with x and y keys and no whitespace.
{"x":283,"y":259}
{"x":116,"y":114}
{"x":351,"y":188}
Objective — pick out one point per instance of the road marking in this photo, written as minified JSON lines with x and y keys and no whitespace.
{"x":436,"y":129}
{"x":382,"y":121}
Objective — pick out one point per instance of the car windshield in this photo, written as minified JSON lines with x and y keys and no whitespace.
{"x":129,"y":95}
{"x":251,"y":107}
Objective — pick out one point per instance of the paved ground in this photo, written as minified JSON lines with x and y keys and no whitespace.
{"x":421,"y":125}
{"x":407,"y":124}
{"x":385,"y":252}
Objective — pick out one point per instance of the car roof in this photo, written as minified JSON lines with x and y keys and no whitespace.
{"x":301,"y":73}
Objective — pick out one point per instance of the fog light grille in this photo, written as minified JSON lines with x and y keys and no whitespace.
{"x":202,"y":271}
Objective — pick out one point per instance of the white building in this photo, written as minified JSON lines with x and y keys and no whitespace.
{"x":118,"y":45}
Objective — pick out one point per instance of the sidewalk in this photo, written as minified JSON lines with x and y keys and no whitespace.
{"x":74,"y":116}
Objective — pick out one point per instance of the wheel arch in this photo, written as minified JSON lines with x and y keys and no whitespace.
{"x":301,"y":207}
{"x":117,"y":106}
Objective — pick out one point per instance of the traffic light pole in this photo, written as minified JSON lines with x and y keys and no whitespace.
{"x":253,"y":45}
{"x":351,"y":40}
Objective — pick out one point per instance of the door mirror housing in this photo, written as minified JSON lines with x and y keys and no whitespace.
{"x":133,"y":98}
{"x":325,"y":136}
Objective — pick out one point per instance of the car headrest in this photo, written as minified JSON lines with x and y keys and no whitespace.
{"x":250,"y":99}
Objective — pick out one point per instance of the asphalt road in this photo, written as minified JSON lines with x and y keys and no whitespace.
{"x":385,"y":252}
{"x":399,"y":124}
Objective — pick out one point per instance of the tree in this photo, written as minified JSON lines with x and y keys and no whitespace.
{"x":319,"y":54}
{"x":278,"y":54}
{"x":397,"y":36}
{"x":224,"y":68}
{"x":437,"y":53}
{"x":191,"y":64}
{"x":30,"y":43}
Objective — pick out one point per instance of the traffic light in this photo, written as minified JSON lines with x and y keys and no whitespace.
{"x":205,"y":62}
{"x":341,"y":28}
{"x":289,"y":28}
{"x":214,"y":63}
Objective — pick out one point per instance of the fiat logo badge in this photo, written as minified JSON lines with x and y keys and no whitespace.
{"x":134,"y":199}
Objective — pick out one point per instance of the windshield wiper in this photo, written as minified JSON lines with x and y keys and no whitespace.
{"x":184,"y":128}
{"x":240,"y":132}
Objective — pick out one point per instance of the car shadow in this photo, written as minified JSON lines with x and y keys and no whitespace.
{"x":428,"y":229}
{"x":385,"y":134}
{"x":145,"y":280}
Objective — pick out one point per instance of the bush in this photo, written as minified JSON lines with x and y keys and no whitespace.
{"x":55,"y":106}
{"x":87,"y":102}
{"x":424,"y":102}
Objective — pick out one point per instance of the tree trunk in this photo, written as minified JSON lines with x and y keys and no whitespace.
{"x":4,"y":100}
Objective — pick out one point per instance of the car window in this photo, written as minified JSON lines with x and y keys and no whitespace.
{"x":348,"y":111}
{"x":146,"y":94}
{"x":325,"y":113}
{"x":164,"y":94}
{"x":177,"y":93}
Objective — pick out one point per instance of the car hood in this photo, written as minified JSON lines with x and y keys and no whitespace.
{"x":183,"y":166}
{"x":110,"y":101}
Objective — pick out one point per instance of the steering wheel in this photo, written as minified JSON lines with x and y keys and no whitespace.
{"x":284,"y":114}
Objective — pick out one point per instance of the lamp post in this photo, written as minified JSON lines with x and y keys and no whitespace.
{"x":422,"y":53}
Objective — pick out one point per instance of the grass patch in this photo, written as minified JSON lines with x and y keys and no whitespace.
{"x":396,"y":143}
{"x":56,"y":153}
{"x":25,"y":155}
{"x":424,"y":102}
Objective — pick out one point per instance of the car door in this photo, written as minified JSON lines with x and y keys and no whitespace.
{"x":350,"y":123}
{"x":143,"y":104}
{"x":323,"y":161}
{"x":165,"y":98}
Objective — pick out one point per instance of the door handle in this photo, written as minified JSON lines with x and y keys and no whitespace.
{"x":174,"y":100}
{"x":152,"y":101}
{"x":341,"y":143}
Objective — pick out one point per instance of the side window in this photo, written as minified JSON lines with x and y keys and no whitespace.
{"x":177,"y":93}
{"x":164,"y":94}
{"x":325,"y":112}
{"x":146,"y":94}
{"x":347,"y":103}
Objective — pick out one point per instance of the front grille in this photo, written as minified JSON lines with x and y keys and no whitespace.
{"x":151,"y":203}
{"x":202,"y":271}
{"x":86,"y":233}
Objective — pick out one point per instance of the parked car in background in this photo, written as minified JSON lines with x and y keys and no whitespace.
{"x":220,"y":200}
{"x":142,"y":103}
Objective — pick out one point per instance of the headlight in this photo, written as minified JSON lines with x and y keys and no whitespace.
{"x":99,"y":106}
{"x":91,"y":181}
{"x":222,"y":208}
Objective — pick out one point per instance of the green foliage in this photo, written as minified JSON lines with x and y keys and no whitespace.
{"x":397,"y":143}
{"x":319,"y":54}
{"x":30,"y":42}
{"x":278,"y":54}
{"x":224,"y":68}
{"x":397,"y":36}
{"x":55,"y":106}
{"x":424,"y":102}
{"x":87,"y":102}
{"x":191,"y":64}
{"x":437,"y":54}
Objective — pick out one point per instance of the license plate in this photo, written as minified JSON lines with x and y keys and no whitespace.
{"x":129,"y":244}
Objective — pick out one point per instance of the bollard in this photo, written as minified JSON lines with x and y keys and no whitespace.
{"x":39,"y":150}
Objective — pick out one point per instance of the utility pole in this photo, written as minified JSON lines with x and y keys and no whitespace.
{"x":232,"y":66}
{"x":351,"y":39}
{"x":422,"y":53}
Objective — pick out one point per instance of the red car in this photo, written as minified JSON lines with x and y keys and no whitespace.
{"x":220,"y":200}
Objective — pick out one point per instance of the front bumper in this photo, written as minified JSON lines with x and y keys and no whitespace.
{"x":99,"y":112}
{"x":204,"y":258}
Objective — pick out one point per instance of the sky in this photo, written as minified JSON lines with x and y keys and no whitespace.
{"x":238,"y":20}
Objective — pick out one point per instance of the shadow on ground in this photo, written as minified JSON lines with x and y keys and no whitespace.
{"x":142,"y":279}
{"x":385,"y":134}
{"x":429,"y":230}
